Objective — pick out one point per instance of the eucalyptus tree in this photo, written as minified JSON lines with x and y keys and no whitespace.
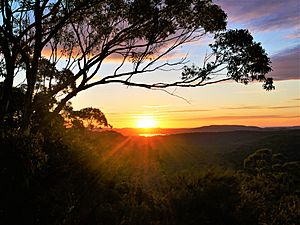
{"x":76,"y":37}
{"x":91,"y":118}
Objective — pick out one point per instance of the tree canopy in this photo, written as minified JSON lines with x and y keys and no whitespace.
{"x":62,"y":45}
{"x":88,"y":117}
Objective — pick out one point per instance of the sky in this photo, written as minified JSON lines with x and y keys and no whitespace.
{"x":274,"y":23}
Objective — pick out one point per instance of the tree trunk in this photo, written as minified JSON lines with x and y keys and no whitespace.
{"x":31,"y":72}
{"x":31,"y":80}
{"x":6,"y":95}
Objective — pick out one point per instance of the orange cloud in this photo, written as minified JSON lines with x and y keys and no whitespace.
{"x":117,"y":58}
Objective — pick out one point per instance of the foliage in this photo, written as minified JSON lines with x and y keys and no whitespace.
{"x":246,"y":60}
{"x":236,"y":54}
{"x":270,"y":186}
{"x":88,"y":117}
{"x":210,"y":197}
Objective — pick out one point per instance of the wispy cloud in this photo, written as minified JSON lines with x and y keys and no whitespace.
{"x":187,"y":111}
{"x":231,"y":118}
{"x":155,"y":106}
{"x":243,"y":107}
{"x":157,"y":112}
{"x":294,"y":35}
{"x":261,"y":107}
{"x":116,"y":58}
{"x":263,"y":15}
{"x":286,"y":64}
{"x":284,"y":107}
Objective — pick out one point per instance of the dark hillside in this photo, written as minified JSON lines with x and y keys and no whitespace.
{"x":177,"y":152}
{"x":232,"y":147}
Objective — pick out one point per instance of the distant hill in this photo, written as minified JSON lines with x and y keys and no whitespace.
{"x":233,"y":146}
{"x":226,"y":128}
{"x":211,"y":128}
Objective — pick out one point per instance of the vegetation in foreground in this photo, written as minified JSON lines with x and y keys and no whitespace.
{"x":112,"y":179}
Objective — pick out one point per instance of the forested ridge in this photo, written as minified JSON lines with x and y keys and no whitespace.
{"x":112,"y":179}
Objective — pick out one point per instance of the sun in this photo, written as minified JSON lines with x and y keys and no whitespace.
{"x":146,"y":122}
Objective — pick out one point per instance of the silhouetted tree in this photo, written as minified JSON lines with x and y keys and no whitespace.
{"x":80,"y":35}
{"x":88,"y":117}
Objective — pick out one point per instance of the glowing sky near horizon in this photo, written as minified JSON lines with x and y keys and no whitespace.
{"x":273,"y":23}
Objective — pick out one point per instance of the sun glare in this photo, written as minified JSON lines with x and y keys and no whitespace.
{"x":146,"y":122}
